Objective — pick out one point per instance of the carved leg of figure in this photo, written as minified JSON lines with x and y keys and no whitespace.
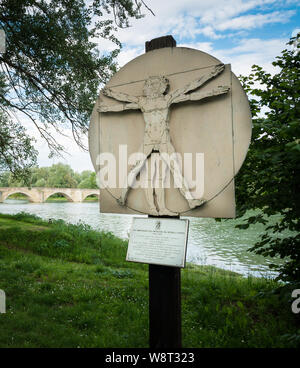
{"x":133,"y":173}
{"x":176,"y":171}
{"x":193,"y":203}
{"x":161,"y":171}
{"x":150,"y":186}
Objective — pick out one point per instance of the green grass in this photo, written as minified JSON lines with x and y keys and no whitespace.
{"x":70,"y":286}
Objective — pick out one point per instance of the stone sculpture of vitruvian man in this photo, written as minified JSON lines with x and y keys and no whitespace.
{"x":171,"y":101}
{"x":155,"y":105}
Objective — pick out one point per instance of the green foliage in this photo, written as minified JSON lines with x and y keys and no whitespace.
{"x":61,"y":176}
{"x":16,"y":151}
{"x":88,"y":182}
{"x":270,"y":177}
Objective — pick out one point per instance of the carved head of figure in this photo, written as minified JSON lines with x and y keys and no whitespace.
{"x":156,"y":86}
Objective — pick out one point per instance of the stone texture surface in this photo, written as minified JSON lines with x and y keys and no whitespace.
{"x":219,"y":127}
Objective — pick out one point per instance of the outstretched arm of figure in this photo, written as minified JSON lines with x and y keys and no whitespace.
{"x":119,"y":96}
{"x":117,"y":108}
{"x":196,"y":96}
{"x":218,"y":69}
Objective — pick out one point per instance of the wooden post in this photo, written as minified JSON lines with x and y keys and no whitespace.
{"x":164,"y":281}
{"x":164,"y":307}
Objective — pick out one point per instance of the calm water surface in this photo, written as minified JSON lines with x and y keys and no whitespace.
{"x":210,"y":242}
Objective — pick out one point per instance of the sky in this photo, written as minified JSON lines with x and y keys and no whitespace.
{"x":237,"y":32}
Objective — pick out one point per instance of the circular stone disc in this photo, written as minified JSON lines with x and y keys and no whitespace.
{"x":217,"y":129}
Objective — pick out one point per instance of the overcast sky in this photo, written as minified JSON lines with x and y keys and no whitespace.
{"x":239,"y":32}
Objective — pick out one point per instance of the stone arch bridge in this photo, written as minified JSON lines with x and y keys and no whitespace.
{"x":40,"y":195}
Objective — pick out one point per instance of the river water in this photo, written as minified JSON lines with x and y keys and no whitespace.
{"x":210,"y":243}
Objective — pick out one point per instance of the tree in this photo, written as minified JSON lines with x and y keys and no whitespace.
{"x":39,"y":176}
{"x":61,"y":176}
{"x":40,"y":183}
{"x":88,"y":181}
{"x":4,"y":179}
{"x":51,"y":70}
{"x":16,"y":150}
{"x":270,"y":177}
{"x":58,"y":175}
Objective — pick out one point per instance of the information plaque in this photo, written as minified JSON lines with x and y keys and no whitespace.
{"x":158,"y":241}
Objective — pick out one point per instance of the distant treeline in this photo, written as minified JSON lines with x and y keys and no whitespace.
{"x":56,"y":176}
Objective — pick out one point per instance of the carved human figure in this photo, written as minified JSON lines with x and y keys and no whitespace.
{"x":155,"y":106}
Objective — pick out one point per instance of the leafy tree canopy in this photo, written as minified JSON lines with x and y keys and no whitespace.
{"x":56,"y":176}
{"x":16,"y":150}
{"x":270,"y":177}
{"x":52,"y":69}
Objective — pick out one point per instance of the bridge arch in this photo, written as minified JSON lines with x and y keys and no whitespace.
{"x":6,"y":195}
{"x":86,"y":195}
{"x":40,"y":195}
{"x":69,"y":198}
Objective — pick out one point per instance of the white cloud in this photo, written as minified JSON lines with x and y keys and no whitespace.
{"x":246,"y":53}
{"x":209,"y":32}
{"x":203,"y":46}
{"x":128,"y":54}
{"x":254,"y":21}
{"x":224,"y":10}
{"x":188,"y":19}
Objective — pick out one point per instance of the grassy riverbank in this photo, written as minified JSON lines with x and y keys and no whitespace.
{"x":70,"y":286}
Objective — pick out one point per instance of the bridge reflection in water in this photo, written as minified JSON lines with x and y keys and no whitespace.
{"x":40,"y":195}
